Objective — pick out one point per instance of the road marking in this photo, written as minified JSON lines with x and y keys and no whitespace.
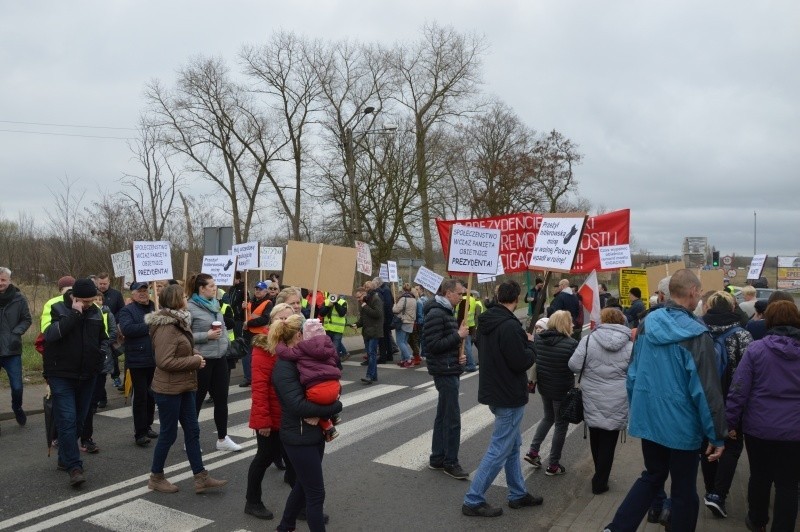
{"x":370,"y":392}
{"x":127,"y":410}
{"x":145,"y":516}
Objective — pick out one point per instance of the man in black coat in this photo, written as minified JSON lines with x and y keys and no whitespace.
{"x":566,"y":299}
{"x":506,"y":354}
{"x":442,"y":337}
{"x":15,"y":319}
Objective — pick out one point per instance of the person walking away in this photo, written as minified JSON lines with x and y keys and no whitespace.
{"x":506,"y":353}
{"x":406,"y":309}
{"x":675,"y":400}
{"x":553,"y":349}
{"x":442,"y":337}
{"x":764,"y":401}
{"x":604,"y":356}
{"x":15,"y":319}
{"x":174,"y":388}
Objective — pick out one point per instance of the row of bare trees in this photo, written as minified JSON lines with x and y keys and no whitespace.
{"x":317,"y":140}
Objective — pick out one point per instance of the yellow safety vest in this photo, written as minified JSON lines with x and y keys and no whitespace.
{"x":333,"y":322}
{"x":471,"y":310}
{"x":222,"y":309}
{"x":46,"y":317}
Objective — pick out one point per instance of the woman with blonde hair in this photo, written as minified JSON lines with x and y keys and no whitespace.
{"x":553,"y":349}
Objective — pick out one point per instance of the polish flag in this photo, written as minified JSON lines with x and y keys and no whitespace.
{"x":590,"y":296}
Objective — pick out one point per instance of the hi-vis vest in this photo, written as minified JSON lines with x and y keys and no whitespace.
{"x":333,"y":322}
{"x":471,"y":310}
{"x":264,"y":329}
{"x":222,"y":308}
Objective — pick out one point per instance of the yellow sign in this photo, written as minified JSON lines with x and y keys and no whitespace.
{"x":629,"y":278}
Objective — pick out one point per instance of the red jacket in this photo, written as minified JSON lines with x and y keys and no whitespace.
{"x":265,"y":411}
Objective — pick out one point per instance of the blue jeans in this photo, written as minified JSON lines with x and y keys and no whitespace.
{"x":336,"y":338}
{"x":402,"y":343}
{"x":71,"y":399}
{"x":503,"y":452}
{"x":372,"y":357}
{"x":662,"y":462}
{"x":13,"y":367}
{"x":468,"y":351}
{"x":447,"y":425}
{"x":552,"y":414}
{"x":171,"y":410}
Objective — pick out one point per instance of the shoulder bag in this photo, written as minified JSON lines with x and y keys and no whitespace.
{"x":572,"y":405}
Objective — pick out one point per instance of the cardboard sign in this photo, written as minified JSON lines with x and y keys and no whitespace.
{"x":391,"y":266}
{"x":152,"y":261}
{"x":221,"y":267}
{"x":711,"y":279}
{"x":363,"y":258}
{"x":123,"y":266}
{"x":271,"y":259}
{"x":336,"y":275}
{"x":473,"y":250}
{"x":489,"y":278}
{"x":756,"y":266}
{"x":656,"y":273}
{"x":384,"y":272}
{"x":557,"y":242}
{"x":247,"y":256}
{"x":612,"y":257}
{"x":428,"y":279}
{"x":628,"y":278}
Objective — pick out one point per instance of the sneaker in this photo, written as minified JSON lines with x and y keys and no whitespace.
{"x":89,"y":446}
{"x":532,"y":457}
{"x":716,"y":504}
{"x":151,"y":434}
{"x":76,"y":477}
{"x":245,"y":384}
{"x":554,"y":469}
{"x":117,"y":383}
{"x":142,"y":441}
{"x":456,"y":472}
{"x":406,"y":364}
{"x":482,"y":510}
{"x":367,"y":381}
{"x":227,"y":444}
{"x":331,"y":434}
{"x":525,"y":500}
{"x":21,"y":417}
{"x":435,"y":467}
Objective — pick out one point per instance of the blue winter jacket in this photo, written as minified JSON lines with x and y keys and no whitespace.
{"x":138,"y":347}
{"x":673,"y":387}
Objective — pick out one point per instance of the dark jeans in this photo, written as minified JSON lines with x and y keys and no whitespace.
{"x":773,"y":462}
{"x":71,"y":398}
{"x":215,"y":378}
{"x":173,"y":409}
{"x":662,"y":462}
{"x":372,"y":357}
{"x":268,"y":451}
{"x":718,"y":475}
{"x":447,"y":425}
{"x":602,"y":443}
{"x":13,"y":367}
{"x":308,"y":490}
{"x":88,"y":423}
{"x":143,"y":404}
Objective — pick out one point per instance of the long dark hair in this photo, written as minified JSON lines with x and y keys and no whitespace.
{"x":196,"y":281}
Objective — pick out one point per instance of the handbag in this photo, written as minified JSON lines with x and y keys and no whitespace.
{"x":237,"y":349}
{"x":397,"y":320}
{"x":572,"y":405}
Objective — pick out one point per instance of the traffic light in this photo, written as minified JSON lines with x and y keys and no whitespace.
{"x":715,"y":259}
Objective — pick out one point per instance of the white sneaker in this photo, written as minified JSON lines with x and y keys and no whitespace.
{"x":228,"y":445}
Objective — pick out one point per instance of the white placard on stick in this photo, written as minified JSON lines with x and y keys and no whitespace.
{"x":384,"y":272}
{"x":123,"y":267}
{"x":473,"y":249}
{"x":271,"y":258}
{"x":428,"y":279}
{"x":612,"y":257}
{"x":363,"y":258}
{"x":557,"y":242}
{"x":392,"y":271}
{"x":152,"y":261}
{"x":756,"y":266}
{"x":220,"y":267}
{"x":247,"y":256}
{"x":488,"y":278}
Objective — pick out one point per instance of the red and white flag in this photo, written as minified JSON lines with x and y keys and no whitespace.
{"x":590,"y":296}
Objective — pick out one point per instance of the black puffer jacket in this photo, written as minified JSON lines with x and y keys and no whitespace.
{"x":15,"y":319}
{"x":442,"y":342}
{"x":553,"y":351}
{"x":295,"y":407}
{"x":74,"y":342}
{"x":505,"y":355}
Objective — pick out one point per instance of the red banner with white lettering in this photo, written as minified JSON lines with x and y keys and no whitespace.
{"x":518,"y":234}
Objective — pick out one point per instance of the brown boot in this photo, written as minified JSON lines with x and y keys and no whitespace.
{"x":157,"y":482}
{"x":202,"y":482}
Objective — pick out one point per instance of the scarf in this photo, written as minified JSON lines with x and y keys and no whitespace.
{"x":7,"y":296}
{"x":183,"y":316}
{"x":211,"y":305}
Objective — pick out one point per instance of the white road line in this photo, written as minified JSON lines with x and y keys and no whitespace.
{"x":370,"y":392}
{"x":415,"y":454}
{"x":145,"y":516}
{"x":126,"y":411}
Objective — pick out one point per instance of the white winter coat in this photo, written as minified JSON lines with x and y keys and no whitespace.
{"x":605,"y":398}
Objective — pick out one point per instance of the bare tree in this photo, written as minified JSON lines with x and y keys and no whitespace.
{"x":552,"y":167}
{"x":68,"y":226}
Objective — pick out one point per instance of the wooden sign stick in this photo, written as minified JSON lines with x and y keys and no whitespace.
{"x":316,"y":282}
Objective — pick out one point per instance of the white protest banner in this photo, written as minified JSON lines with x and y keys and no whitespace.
{"x":473,"y":250}
{"x":123,"y":267}
{"x":557,"y":242}
{"x":428,"y":279}
{"x":384,"y":272}
{"x":488,"y":278}
{"x":392,"y":271}
{"x":612,"y":257}
{"x":220,"y":267}
{"x":152,"y":261}
{"x":363,"y":258}
{"x":271,"y":258}
{"x":756,"y":266}
{"x":247,"y":255}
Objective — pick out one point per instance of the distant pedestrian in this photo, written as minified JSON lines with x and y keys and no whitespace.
{"x":15,"y":319}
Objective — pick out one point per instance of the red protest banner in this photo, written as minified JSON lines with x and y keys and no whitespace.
{"x":518,"y":234}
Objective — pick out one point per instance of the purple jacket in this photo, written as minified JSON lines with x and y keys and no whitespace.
{"x":765,"y":392}
{"x":315,"y":359}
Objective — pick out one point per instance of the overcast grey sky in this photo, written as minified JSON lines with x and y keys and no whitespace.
{"x":686,"y":112}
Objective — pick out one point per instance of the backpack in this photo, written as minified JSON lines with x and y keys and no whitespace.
{"x":721,"y":350}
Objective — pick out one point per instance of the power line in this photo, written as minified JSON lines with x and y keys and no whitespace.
{"x":64,"y":125}
{"x":65,"y":134}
